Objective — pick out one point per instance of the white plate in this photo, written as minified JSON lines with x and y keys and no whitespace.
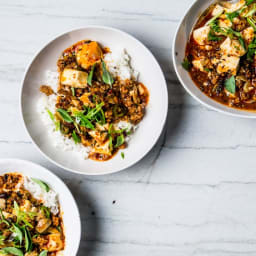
{"x":150,"y":74}
{"x":179,"y":44}
{"x":71,"y":217}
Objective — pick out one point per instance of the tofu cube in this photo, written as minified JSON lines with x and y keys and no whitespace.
{"x":102,"y":149}
{"x":225,"y":23}
{"x":74,"y":78}
{"x":201,"y":34}
{"x":217,"y":10}
{"x":248,"y":34}
{"x":232,"y":47}
{"x":99,"y":136}
{"x":232,"y":7}
{"x":228,"y":63}
{"x":199,"y":64}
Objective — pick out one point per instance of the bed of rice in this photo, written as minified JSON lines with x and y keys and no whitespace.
{"x":119,"y":66}
{"x":49,"y":199}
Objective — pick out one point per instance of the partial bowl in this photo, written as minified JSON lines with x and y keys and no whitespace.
{"x":71,"y":217}
{"x":178,"y":52}
{"x":149,"y":128}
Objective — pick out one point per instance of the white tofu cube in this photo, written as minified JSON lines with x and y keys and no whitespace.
{"x":201,"y":34}
{"x":102,"y":149}
{"x":248,"y":34}
{"x":228,"y":63}
{"x":232,"y":47}
{"x":217,"y":10}
{"x":99,"y":136}
{"x":74,"y":78}
{"x":225,"y":23}
{"x":199,"y":64}
{"x":232,"y":7}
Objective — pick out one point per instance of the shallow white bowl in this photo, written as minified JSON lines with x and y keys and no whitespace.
{"x":179,"y":45}
{"x":71,"y":217}
{"x":150,"y":74}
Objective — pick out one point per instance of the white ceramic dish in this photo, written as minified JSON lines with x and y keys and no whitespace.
{"x":179,"y":45}
{"x":150,"y":74}
{"x":71,"y":217}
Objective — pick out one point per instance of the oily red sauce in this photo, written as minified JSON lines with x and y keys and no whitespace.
{"x":213,"y":85}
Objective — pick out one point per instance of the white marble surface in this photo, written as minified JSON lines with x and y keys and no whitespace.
{"x":194,"y":194}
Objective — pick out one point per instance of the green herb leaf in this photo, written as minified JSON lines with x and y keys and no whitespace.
{"x":90,"y":76}
{"x":230,"y":85}
{"x":3,"y":219}
{"x":252,"y":22}
{"x":106,"y":76}
{"x":28,"y":240}
{"x":73,"y":91}
{"x":119,"y":141}
{"x":232,"y":15}
{"x":241,"y":41}
{"x":122,"y":155}
{"x":213,"y":37}
{"x":50,"y":114}
{"x":43,"y":253}
{"x":42,"y":184}
{"x":46,"y":211}
{"x":76,"y":138}
{"x":83,"y":120}
{"x":23,"y":216}
{"x":110,"y":143}
{"x":186,"y":64}
{"x":12,"y":250}
{"x":248,"y":2}
{"x":91,"y":113}
{"x":17,"y":233}
{"x":65,"y":115}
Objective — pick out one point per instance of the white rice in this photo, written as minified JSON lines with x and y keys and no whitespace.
{"x":119,"y":65}
{"x":49,"y":199}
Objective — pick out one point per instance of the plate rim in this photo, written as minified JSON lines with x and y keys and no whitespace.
{"x":166,"y":100}
{"x":238,"y":114}
{"x":46,"y":170}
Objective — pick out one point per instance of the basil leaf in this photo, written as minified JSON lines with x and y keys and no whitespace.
{"x":90,"y":76}
{"x":230,"y":85}
{"x":186,"y":64}
{"x":28,"y":240}
{"x":42,"y":184}
{"x":76,"y":138}
{"x":122,"y":155}
{"x":106,"y":76}
{"x":12,"y":250}
{"x":65,"y":115}
{"x":43,"y":253}
{"x":73,"y":91}
{"x":17,"y":233}
{"x":119,"y":141}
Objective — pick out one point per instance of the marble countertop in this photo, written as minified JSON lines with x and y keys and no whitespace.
{"x":193,"y":194}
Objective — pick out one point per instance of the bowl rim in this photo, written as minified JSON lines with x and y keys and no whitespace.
{"x":161,"y":125}
{"x":46,"y":170}
{"x":238,"y":113}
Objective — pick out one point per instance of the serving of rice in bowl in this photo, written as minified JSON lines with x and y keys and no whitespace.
{"x":111,"y":109}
